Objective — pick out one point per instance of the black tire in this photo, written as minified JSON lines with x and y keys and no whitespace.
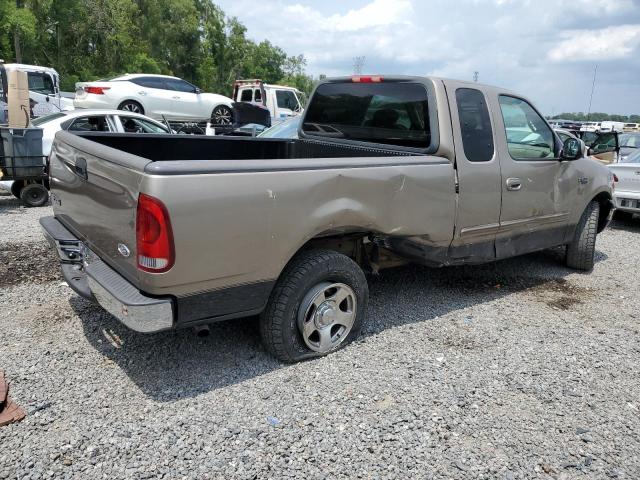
{"x":222,"y":116}
{"x":131,"y":106}
{"x":16,"y":188}
{"x":34,"y":195}
{"x":581,"y":251}
{"x":279,"y":321}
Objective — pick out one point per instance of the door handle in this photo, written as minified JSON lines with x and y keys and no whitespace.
{"x":143,"y":93}
{"x":176,"y":98}
{"x":514,"y":184}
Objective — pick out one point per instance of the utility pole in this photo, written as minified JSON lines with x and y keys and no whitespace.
{"x":358,"y":64}
{"x":475,"y":76}
{"x":16,"y":39}
{"x":593,"y":86}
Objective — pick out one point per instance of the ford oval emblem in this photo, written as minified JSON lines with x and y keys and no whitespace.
{"x":124,"y":250}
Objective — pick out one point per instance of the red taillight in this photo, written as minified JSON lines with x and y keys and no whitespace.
{"x":96,"y":90}
{"x":367,"y":79}
{"x":154,"y":237}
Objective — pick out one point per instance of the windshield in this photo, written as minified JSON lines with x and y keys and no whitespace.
{"x":631,"y":140}
{"x":41,"y":83}
{"x":286,"y":129}
{"x":47,"y":118}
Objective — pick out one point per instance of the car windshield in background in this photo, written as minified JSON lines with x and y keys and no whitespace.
{"x":633,"y":158}
{"x":47,"y":118}
{"x":630,"y":140}
{"x":393,"y":113}
{"x":286,"y":129}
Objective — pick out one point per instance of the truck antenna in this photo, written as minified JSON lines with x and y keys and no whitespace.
{"x":593,"y":86}
{"x":475,"y":76}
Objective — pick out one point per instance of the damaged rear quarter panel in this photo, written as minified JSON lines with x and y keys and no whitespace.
{"x":243,"y":227}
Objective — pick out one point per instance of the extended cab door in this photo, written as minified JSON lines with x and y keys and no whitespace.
{"x":536,"y":185}
{"x":478,"y":170}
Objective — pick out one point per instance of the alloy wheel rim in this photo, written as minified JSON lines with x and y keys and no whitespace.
{"x":326,"y":316}
{"x":222,"y":116}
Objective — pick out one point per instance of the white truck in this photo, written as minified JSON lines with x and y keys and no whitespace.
{"x":608,"y":126}
{"x":44,"y":88}
{"x":281,"y":101}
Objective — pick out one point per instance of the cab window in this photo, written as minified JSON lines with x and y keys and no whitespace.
{"x":257,"y":95}
{"x":246,"y":95}
{"x":287,"y":99}
{"x":40,"y":83}
{"x":528,"y":135}
{"x":394,"y":113}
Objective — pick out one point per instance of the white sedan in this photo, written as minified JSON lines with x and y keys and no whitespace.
{"x":627,"y":192}
{"x":115,"y":121}
{"x":156,"y":96}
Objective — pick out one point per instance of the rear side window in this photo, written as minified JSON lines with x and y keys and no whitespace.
{"x":394,"y":113}
{"x":246,"y":95}
{"x":258,"y":95}
{"x":151,"y":82}
{"x":475,"y":125}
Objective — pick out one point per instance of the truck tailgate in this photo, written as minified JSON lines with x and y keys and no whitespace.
{"x":94,"y":192}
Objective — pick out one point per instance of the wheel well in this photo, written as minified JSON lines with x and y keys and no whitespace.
{"x":606,"y":205}
{"x":351,"y":245}
{"x":130,"y":100}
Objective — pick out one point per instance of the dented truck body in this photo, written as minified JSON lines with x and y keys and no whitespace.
{"x":417,"y":169}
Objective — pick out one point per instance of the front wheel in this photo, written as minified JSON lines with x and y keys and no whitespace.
{"x":317,"y":306}
{"x":34,"y":195}
{"x":222,"y":116}
{"x":581,"y":251}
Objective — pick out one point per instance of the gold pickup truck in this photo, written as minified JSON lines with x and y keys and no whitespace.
{"x":169,"y":231}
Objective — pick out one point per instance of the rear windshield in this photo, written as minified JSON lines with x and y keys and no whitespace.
{"x":389,"y":113}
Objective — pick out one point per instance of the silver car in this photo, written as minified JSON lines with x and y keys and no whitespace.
{"x":627,"y":193}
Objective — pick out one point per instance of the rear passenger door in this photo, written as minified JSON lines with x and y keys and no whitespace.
{"x":536,"y":186}
{"x":478,"y":172}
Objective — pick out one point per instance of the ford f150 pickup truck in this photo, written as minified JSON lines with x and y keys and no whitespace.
{"x":173,"y":231}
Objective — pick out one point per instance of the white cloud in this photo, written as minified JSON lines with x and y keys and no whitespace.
{"x":604,"y":44}
{"x":522,"y":45}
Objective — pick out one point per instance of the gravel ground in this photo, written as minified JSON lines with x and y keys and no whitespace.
{"x":519,"y":369}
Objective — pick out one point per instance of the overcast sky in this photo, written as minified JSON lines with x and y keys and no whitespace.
{"x":544,"y":49}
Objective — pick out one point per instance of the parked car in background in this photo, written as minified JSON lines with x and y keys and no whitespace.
{"x":155,"y":96}
{"x":44,"y":88}
{"x":608,"y":126}
{"x":629,"y":143}
{"x":627,"y":192}
{"x":590,"y":127}
{"x":115,"y":121}
{"x":281,"y":101}
{"x":566,"y":124}
{"x":631,"y":127}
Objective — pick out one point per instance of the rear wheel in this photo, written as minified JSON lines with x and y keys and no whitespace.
{"x":317,"y":307}
{"x":222,"y":116}
{"x":16,"y":188}
{"x":581,"y":251}
{"x":131,"y":106}
{"x":34,"y":195}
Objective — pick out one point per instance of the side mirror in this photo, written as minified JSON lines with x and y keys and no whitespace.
{"x":571,"y":149}
{"x":197,"y":91}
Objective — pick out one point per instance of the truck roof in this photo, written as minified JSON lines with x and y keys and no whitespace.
{"x":28,"y":68}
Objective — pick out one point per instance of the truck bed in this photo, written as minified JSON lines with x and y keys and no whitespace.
{"x":162,"y":147}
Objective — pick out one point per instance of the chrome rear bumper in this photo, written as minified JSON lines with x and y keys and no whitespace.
{"x":93,"y":279}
